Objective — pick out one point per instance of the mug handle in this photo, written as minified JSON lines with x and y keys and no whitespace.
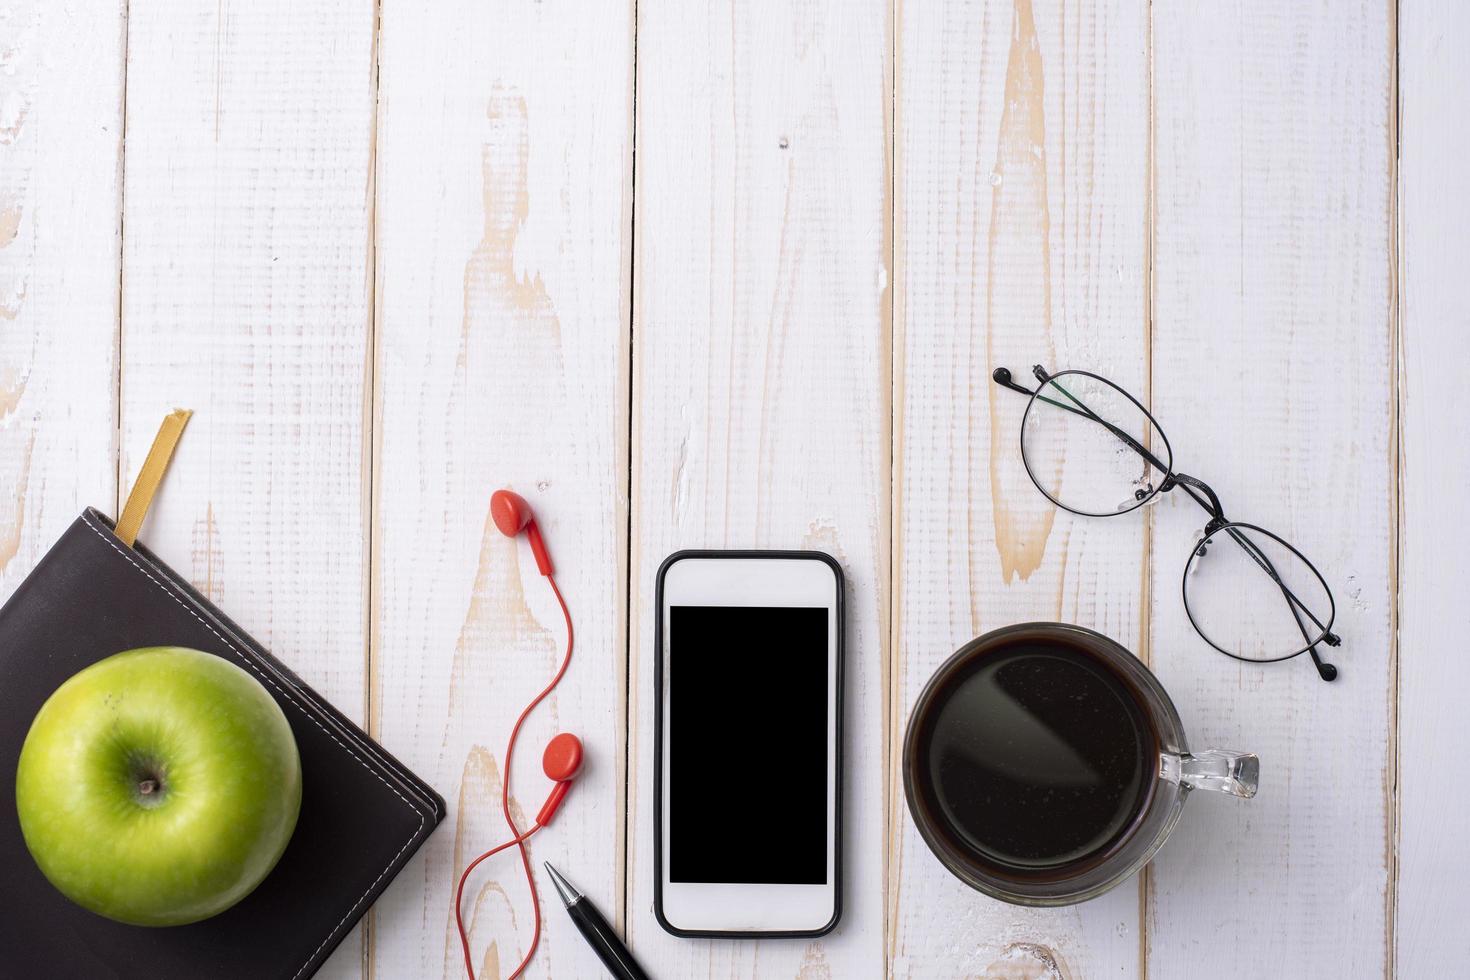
{"x":1220,"y":770}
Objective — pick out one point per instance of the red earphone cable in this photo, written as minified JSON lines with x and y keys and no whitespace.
{"x":518,"y":839}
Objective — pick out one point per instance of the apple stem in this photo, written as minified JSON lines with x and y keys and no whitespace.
{"x":149,"y":781}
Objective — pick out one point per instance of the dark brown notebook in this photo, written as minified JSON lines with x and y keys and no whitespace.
{"x":363,"y":814}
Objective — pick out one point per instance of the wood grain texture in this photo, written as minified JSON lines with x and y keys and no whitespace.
{"x":245,"y":298}
{"x":761,"y":355}
{"x":60,"y":140}
{"x":1433,"y":901}
{"x":1272,"y":377}
{"x":385,"y":250}
{"x":1022,"y":206}
{"x":504,"y":192}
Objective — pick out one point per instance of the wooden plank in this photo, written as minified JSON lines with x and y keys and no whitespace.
{"x":504,"y":252}
{"x":245,"y":297}
{"x":1433,"y":902}
{"x":762,"y":374}
{"x":1272,"y":378}
{"x":60,"y":139}
{"x":1022,"y":209}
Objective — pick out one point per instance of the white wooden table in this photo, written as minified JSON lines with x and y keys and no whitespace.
{"x":397,"y":255}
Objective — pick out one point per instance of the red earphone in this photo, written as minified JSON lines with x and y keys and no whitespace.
{"x":512,"y":515}
{"x":562,"y":759}
{"x":561,"y":762}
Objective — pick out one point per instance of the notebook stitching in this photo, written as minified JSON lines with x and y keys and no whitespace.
{"x":246,"y":660}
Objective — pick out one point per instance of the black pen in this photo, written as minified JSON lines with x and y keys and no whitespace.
{"x":599,"y":935}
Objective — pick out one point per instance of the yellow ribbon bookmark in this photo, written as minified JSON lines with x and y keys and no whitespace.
{"x":151,"y":475}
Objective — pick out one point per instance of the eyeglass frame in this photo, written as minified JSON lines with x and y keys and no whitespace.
{"x":1198,"y":491}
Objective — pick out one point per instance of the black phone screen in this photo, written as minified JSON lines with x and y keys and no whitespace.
{"x":747,"y":742}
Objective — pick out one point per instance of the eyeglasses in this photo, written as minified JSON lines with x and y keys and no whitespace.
{"x":1249,"y":593}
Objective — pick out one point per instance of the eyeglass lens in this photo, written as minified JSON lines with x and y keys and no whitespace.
{"x":1090,"y":447}
{"x":1252,"y":595}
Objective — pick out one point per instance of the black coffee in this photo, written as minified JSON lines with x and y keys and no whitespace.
{"x":1038,"y":756}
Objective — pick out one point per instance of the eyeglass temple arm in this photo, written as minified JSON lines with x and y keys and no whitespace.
{"x":1325,"y":670}
{"x":1002,"y":377}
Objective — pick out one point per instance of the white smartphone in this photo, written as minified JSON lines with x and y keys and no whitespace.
{"x":748,"y":732}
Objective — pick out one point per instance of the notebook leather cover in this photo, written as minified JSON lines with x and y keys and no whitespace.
{"x":363,"y":814}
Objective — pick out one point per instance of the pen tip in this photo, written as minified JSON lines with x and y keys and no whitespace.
{"x":564,"y":888}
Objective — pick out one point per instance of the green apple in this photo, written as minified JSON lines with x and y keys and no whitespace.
{"x":158,"y":786}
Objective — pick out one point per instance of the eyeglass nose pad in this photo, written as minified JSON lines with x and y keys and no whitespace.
{"x":1143,"y":496}
{"x":1200,"y":548}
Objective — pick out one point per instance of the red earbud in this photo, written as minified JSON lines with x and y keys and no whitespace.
{"x":512,"y":515}
{"x":561,"y":762}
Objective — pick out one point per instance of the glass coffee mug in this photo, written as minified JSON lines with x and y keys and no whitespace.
{"x":1044,"y":764}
